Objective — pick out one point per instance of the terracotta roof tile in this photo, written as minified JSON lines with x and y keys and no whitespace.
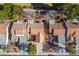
{"x":2,"y":28}
{"x":36,"y":28}
{"x":40,"y":17}
{"x":19,"y":29}
{"x":72,"y":28}
{"x":58,"y":29}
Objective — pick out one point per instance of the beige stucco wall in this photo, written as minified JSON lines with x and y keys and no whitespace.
{"x":36,"y":31}
{"x":41,"y":37}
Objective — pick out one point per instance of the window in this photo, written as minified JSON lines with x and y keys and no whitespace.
{"x":55,"y":39}
{"x":33,"y":37}
{"x":37,"y":22}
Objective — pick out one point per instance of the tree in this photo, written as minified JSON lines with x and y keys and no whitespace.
{"x":8,"y":9}
{"x":10,"y":12}
{"x":31,"y":49}
{"x":72,"y":50}
{"x":73,"y":8}
{"x":1,"y":15}
{"x":75,"y":12}
{"x":17,"y":12}
{"x":17,"y":9}
{"x":57,"y":6}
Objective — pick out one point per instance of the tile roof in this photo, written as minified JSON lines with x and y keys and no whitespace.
{"x":58,"y":29}
{"x":72,"y":28}
{"x":40,"y":17}
{"x":3,"y":28}
{"x":19,"y":29}
{"x":27,"y":14}
{"x":36,"y":28}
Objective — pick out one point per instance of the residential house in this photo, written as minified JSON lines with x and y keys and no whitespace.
{"x":3,"y":33}
{"x":64,"y":33}
{"x":19,"y":32}
{"x":37,"y":36}
{"x":36,"y":32}
{"x":57,"y":35}
{"x":28,"y":14}
{"x":73,"y":31}
{"x":41,"y":17}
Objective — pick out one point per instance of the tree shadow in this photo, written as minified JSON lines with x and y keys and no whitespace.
{"x":39,"y":6}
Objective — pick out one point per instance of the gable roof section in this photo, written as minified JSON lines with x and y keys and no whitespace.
{"x":3,"y":28}
{"x":57,"y":29}
{"x":36,"y":28}
{"x":19,"y":29}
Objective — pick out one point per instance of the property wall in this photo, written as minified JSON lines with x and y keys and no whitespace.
{"x":77,"y":46}
{"x":41,"y":37}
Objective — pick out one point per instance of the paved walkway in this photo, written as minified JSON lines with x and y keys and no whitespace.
{"x":39,"y":49}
